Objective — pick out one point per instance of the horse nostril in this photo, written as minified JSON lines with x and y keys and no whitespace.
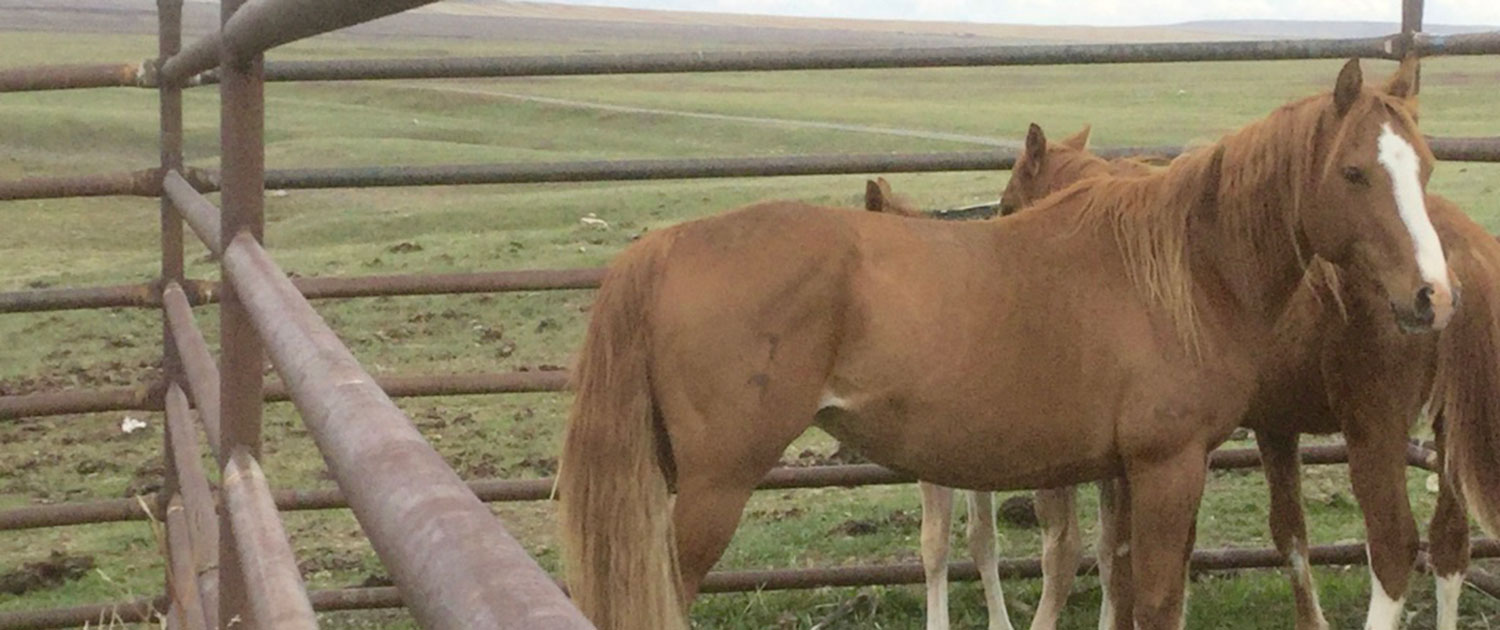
{"x":1424,"y":304}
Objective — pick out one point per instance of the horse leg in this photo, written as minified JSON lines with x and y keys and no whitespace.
{"x":1164,"y":496}
{"x":937,"y":518}
{"x":1448,"y":539}
{"x":1377,"y":467}
{"x":719,"y":463}
{"x":1278,"y":456}
{"x":1061,"y":548}
{"x":1115,"y":609}
{"x":981,"y":535}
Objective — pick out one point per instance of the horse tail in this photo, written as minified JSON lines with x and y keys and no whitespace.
{"x":619,"y":551}
{"x":1468,"y":387}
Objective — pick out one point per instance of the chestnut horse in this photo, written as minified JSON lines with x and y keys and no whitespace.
{"x":1032,"y":179}
{"x":1045,"y":168}
{"x":1125,"y":338}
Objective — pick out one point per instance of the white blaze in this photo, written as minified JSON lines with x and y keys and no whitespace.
{"x":1400,"y":161}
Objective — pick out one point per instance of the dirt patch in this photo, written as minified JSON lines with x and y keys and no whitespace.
{"x":110,"y":373}
{"x":58,"y":568}
{"x":147,"y":478}
{"x":1020,"y":511}
{"x":841,"y":456}
{"x":900,"y":520}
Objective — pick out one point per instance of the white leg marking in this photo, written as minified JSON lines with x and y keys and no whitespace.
{"x":1448,"y":589}
{"x":1400,"y":161}
{"x":1303,"y":573}
{"x":981,"y":534}
{"x":937,"y":517}
{"x":1384,"y":613}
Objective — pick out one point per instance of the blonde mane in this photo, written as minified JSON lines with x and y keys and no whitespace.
{"x":1149,"y":216}
{"x":1256,"y":195}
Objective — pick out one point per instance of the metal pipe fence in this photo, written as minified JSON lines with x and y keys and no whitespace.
{"x":513,"y":490}
{"x":453,"y":563}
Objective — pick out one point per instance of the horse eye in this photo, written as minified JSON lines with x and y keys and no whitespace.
{"x":1356,"y":175}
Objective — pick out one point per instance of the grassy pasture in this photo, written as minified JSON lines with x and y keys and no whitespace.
{"x":106,"y":241}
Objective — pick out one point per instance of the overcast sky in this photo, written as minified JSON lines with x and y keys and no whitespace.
{"x":1092,"y":12}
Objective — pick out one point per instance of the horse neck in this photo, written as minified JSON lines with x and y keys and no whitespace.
{"x":1252,"y":244}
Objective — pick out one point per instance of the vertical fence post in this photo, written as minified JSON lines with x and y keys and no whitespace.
{"x":1411,"y":24}
{"x":169,"y":41}
{"x":242,"y":163}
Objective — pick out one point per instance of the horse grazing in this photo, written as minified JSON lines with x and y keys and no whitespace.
{"x":1125,"y":337}
{"x":1322,"y":314}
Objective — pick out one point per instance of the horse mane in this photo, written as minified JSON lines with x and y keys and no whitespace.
{"x":1149,"y":216}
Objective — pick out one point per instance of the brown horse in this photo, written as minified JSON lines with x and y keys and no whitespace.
{"x":1321,"y":313}
{"x":1125,"y":338}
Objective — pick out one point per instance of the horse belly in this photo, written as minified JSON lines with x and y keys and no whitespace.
{"x":986,"y":452}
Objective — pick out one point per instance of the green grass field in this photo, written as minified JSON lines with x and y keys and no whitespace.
{"x":333,"y":232}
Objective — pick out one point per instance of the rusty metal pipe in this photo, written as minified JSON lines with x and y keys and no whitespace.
{"x":188,"y":606}
{"x":141,"y":183}
{"x":507,"y":490}
{"x":790,"y":579}
{"x":198,"y":520}
{"x":148,"y":397}
{"x":735,"y":61}
{"x":442,"y":545}
{"x":200,"y":213}
{"x":199,"y":368}
{"x":1470,"y":149}
{"x":144,"y":398}
{"x":450,"y":283}
{"x":38,"y":300}
{"x":321,"y":288}
{"x":77,"y":76}
{"x":269,"y":23}
{"x":274,"y":592}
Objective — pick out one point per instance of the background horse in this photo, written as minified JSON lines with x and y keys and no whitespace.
{"x":715,"y":343}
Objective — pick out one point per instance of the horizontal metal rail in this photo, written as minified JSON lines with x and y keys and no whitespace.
{"x":38,"y":300}
{"x":69,"y":77}
{"x":148,"y":397}
{"x":258,"y":26}
{"x":1477,"y":149}
{"x":276,"y":594}
{"x":509,"y":490}
{"x":443,"y":547}
{"x":144,"y":183}
{"x":313,"y":288}
{"x":141,"y":183}
{"x":1205,"y":560}
{"x":1388,"y":47}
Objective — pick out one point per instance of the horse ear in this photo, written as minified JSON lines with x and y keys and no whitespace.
{"x":874,"y":201}
{"x":1036,"y":142}
{"x":1346,"y":89}
{"x":1403,"y":84}
{"x":1079,"y":140}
